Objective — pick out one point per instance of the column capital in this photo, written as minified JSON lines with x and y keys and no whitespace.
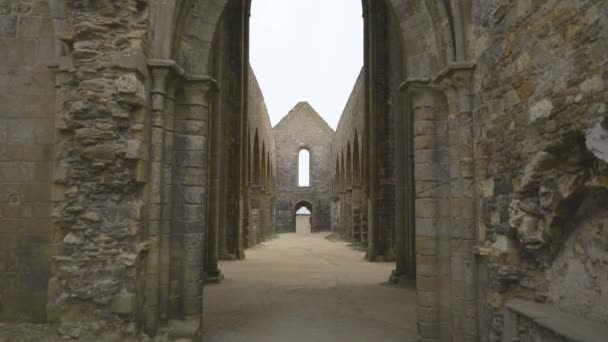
{"x":204,"y":83}
{"x":421,"y":91}
{"x":163,"y":72}
{"x":456,"y":81}
{"x":456,"y":76}
{"x":196,"y":89}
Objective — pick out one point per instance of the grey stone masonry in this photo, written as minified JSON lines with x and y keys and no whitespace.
{"x":303,"y":128}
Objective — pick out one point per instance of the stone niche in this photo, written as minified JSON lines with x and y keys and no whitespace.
{"x":578,"y":278}
{"x":559,"y":219}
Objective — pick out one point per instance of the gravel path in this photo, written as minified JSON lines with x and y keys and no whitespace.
{"x":307,"y":288}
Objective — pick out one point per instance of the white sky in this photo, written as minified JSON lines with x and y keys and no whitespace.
{"x":304,"y":211}
{"x":304,"y":168}
{"x":306,"y":50}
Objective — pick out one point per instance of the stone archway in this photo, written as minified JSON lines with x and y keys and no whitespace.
{"x":303,"y":221}
{"x":161,"y":210}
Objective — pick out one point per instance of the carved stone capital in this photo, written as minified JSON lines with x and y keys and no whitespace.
{"x":163,"y":71}
{"x":456,"y":81}
{"x":421,"y":91}
{"x":456,"y":75}
{"x":196,"y":89}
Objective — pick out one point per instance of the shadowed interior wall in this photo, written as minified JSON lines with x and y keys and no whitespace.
{"x":27,"y":136}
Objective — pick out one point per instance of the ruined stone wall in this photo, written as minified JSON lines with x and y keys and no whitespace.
{"x":27,"y":136}
{"x":302,"y":128}
{"x":261,"y":189}
{"x":228,"y":108}
{"x":348,"y":197}
{"x":541,"y":140}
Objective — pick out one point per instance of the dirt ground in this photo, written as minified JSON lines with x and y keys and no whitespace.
{"x":304,"y":287}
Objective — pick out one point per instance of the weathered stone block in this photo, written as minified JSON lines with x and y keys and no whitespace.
{"x":36,"y":27}
{"x":124,"y":303}
{"x":192,"y":194}
{"x":21,"y":131}
{"x":191,"y":127}
{"x":8,"y":26}
{"x":190,"y":142}
{"x":191,"y":158}
{"x":189,"y":176}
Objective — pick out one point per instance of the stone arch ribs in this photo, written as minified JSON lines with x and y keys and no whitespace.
{"x":182,"y":34}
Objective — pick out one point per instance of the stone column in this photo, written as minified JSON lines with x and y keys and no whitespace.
{"x":456,"y":82}
{"x":431,"y":205}
{"x":166,"y":218}
{"x":165,"y":76}
{"x":255,"y":192}
{"x":405,"y":233}
{"x":216,"y":136}
{"x":349,"y":210}
{"x":190,"y":199}
{"x":160,"y":71}
{"x":379,"y":137}
{"x":356,"y":212}
{"x":61,"y":77}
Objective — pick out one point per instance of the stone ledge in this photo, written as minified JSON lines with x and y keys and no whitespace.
{"x":572,"y":327}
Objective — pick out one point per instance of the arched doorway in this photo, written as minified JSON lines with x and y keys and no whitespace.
{"x":303,"y":218}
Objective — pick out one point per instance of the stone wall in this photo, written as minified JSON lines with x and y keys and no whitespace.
{"x":27,"y":136}
{"x":104,"y":162}
{"x":540,"y":99}
{"x":302,"y":128}
{"x":262,"y":163}
{"x":348,"y":200}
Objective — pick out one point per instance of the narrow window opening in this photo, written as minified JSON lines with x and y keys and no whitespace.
{"x":304,"y":168}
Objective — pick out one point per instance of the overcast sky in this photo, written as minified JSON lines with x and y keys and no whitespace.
{"x":306,"y":50}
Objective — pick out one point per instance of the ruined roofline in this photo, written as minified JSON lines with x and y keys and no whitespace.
{"x":351,"y":98}
{"x":254,"y":79}
{"x":301,"y":108}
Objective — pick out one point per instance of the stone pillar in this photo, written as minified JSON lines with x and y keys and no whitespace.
{"x":253,"y":234}
{"x":216,"y":136}
{"x":161,"y":71}
{"x":61,"y":78}
{"x":102,"y":164}
{"x":456,"y":82}
{"x":379,"y":136}
{"x":335,"y":213}
{"x":356,"y":212}
{"x":349,"y":210}
{"x":431,"y":207}
{"x":190,"y":199}
{"x":166,"y":217}
{"x":343,"y":214}
{"x":405,"y":232}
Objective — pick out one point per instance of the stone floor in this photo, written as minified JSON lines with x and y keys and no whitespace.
{"x":304,"y":287}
